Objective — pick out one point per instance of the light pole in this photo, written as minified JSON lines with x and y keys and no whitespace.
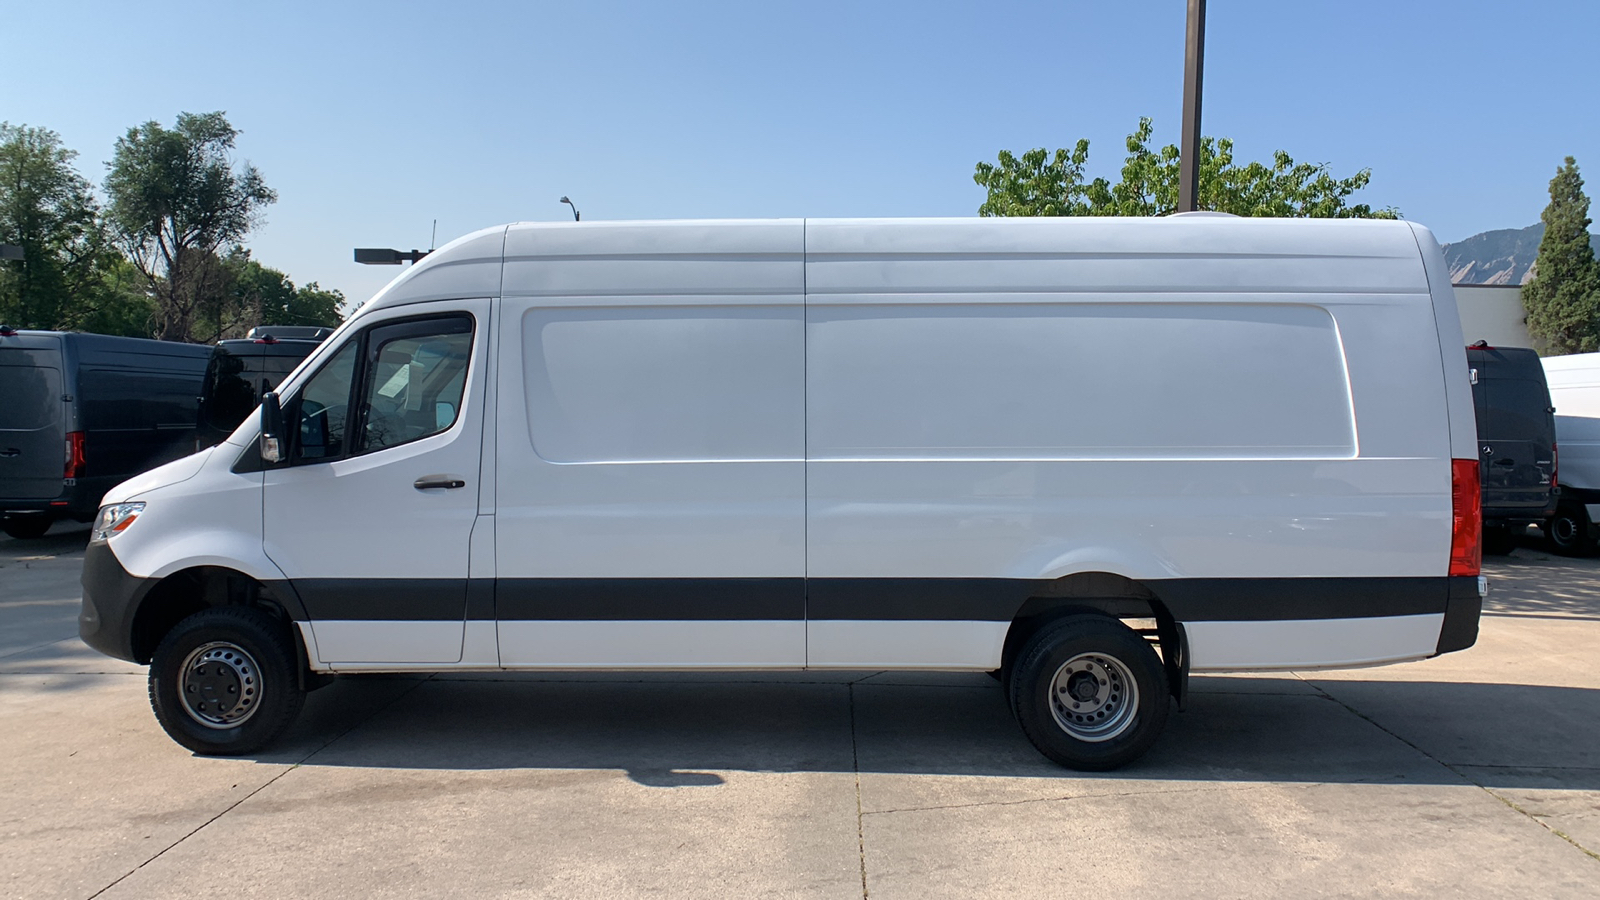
{"x":575,"y":216}
{"x":1189,"y":150}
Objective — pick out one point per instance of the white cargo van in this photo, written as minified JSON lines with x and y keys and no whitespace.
{"x":1575,"y":391}
{"x":986,"y":445}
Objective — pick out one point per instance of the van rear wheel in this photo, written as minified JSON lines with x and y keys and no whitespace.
{"x":1567,"y":532}
{"x":1089,"y":693}
{"x":223,"y":681}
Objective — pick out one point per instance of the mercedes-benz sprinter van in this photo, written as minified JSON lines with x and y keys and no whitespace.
{"x":1090,"y":455}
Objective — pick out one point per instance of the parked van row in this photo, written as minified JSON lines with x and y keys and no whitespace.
{"x":80,"y":413}
{"x":1091,"y":455}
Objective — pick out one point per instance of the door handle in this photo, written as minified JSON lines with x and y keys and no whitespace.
{"x":10,"y":452}
{"x":1508,"y":463}
{"x":433,"y":482}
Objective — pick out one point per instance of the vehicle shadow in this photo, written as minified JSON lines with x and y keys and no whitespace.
{"x":679,"y":733}
{"x":1531,"y":581}
{"x":63,"y":539}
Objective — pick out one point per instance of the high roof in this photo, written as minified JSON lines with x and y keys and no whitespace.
{"x":845,"y":256}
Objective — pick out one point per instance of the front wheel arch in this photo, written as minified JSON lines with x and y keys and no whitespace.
{"x":188,"y":591}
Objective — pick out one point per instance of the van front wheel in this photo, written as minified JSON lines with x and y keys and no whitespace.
{"x":223,"y":681}
{"x":1089,"y":693}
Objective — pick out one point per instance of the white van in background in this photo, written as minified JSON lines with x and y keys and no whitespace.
{"x":1575,"y":391}
{"x":987,"y":445}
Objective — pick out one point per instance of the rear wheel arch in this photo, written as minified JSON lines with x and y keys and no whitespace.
{"x":1112,"y":596}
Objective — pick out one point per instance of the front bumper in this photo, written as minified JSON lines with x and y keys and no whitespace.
{"x":111,"y":597}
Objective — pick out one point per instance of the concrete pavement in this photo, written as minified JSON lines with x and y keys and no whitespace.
{"x":1472,"y":775}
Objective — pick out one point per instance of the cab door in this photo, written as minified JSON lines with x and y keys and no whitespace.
{"x":372,"y":517}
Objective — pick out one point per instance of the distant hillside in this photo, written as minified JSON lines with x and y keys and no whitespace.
{"x":1497,"y":257}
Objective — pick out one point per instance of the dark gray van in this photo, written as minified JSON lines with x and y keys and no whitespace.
{"x":81,"y":413}
{"x":241,"y":371}
{"x":1516,"y":441}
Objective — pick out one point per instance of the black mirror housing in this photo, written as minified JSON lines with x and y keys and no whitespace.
{"x":274,"y":448}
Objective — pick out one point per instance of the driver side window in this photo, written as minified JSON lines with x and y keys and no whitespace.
{"x":392,"y":384}
{"x":324,"y":407}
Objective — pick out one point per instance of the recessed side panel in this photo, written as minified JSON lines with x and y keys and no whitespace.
{"x":1046,"y":381}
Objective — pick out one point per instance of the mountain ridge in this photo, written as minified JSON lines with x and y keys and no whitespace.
{"x":1502,"y":256}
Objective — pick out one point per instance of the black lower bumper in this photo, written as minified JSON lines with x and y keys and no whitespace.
{"x":110,"y":598}
{"x":1462,"y":609}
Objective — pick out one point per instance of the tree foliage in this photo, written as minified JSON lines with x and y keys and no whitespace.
{"x":1563,"y":298}
{"x":176,"y":198}
{"x":1041,"y":183}
{"x":48,"y":209}
{"x":259,"y":295}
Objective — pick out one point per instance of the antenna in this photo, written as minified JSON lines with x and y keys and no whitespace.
{"x":433,"y":238}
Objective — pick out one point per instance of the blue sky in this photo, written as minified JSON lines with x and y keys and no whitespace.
{"x":373,"y":119}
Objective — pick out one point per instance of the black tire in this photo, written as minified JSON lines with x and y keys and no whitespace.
{"x":1567,"y":532}
{"x":237,"y":665}
{"x":25,"y":528}
{"x":1117,"y":725}
{"x":1499,"y":540}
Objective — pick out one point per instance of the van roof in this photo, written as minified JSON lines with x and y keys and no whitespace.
{"x":860,"y":255}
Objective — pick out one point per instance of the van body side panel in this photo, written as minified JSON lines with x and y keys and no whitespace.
{"x":1574,"y":382}
{"x":1179,"y":401}
{"x":650,"y":441}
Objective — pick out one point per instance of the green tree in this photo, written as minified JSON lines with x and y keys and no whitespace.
{"x":176,"y":198}
{"x":117,"y":302}
{"x":1563,"y":298}
{"x":50,"y":210}
{"x":1040,"y":183}
{"x":260,"y":295}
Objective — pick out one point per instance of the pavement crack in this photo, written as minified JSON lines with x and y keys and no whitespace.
{"x":855,"y":763}
{"x":1455,"y":770}
{"x":229,"y":808}
{"x":268,"y":783}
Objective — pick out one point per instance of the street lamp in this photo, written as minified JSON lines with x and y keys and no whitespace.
{"x":383,"y":256}
{"x":575,"y":216}
{"x":1189,"y":151}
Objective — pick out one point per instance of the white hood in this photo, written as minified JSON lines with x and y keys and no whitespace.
{"x":162,"y":476}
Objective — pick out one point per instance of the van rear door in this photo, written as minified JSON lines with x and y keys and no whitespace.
{"x":1516,"y":432}
{"x":32,"y":437}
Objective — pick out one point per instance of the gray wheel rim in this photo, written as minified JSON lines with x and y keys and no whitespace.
{"x":219,"y":685}
{"x":1094,"y":697}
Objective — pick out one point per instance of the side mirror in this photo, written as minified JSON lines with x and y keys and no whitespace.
{"x":272,"y":445}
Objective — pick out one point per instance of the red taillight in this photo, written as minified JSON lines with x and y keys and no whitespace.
{"x":75,"y":460}
{"x":1466,"y":535}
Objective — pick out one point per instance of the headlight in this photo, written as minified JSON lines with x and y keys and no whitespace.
{"x":114,"y":519}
